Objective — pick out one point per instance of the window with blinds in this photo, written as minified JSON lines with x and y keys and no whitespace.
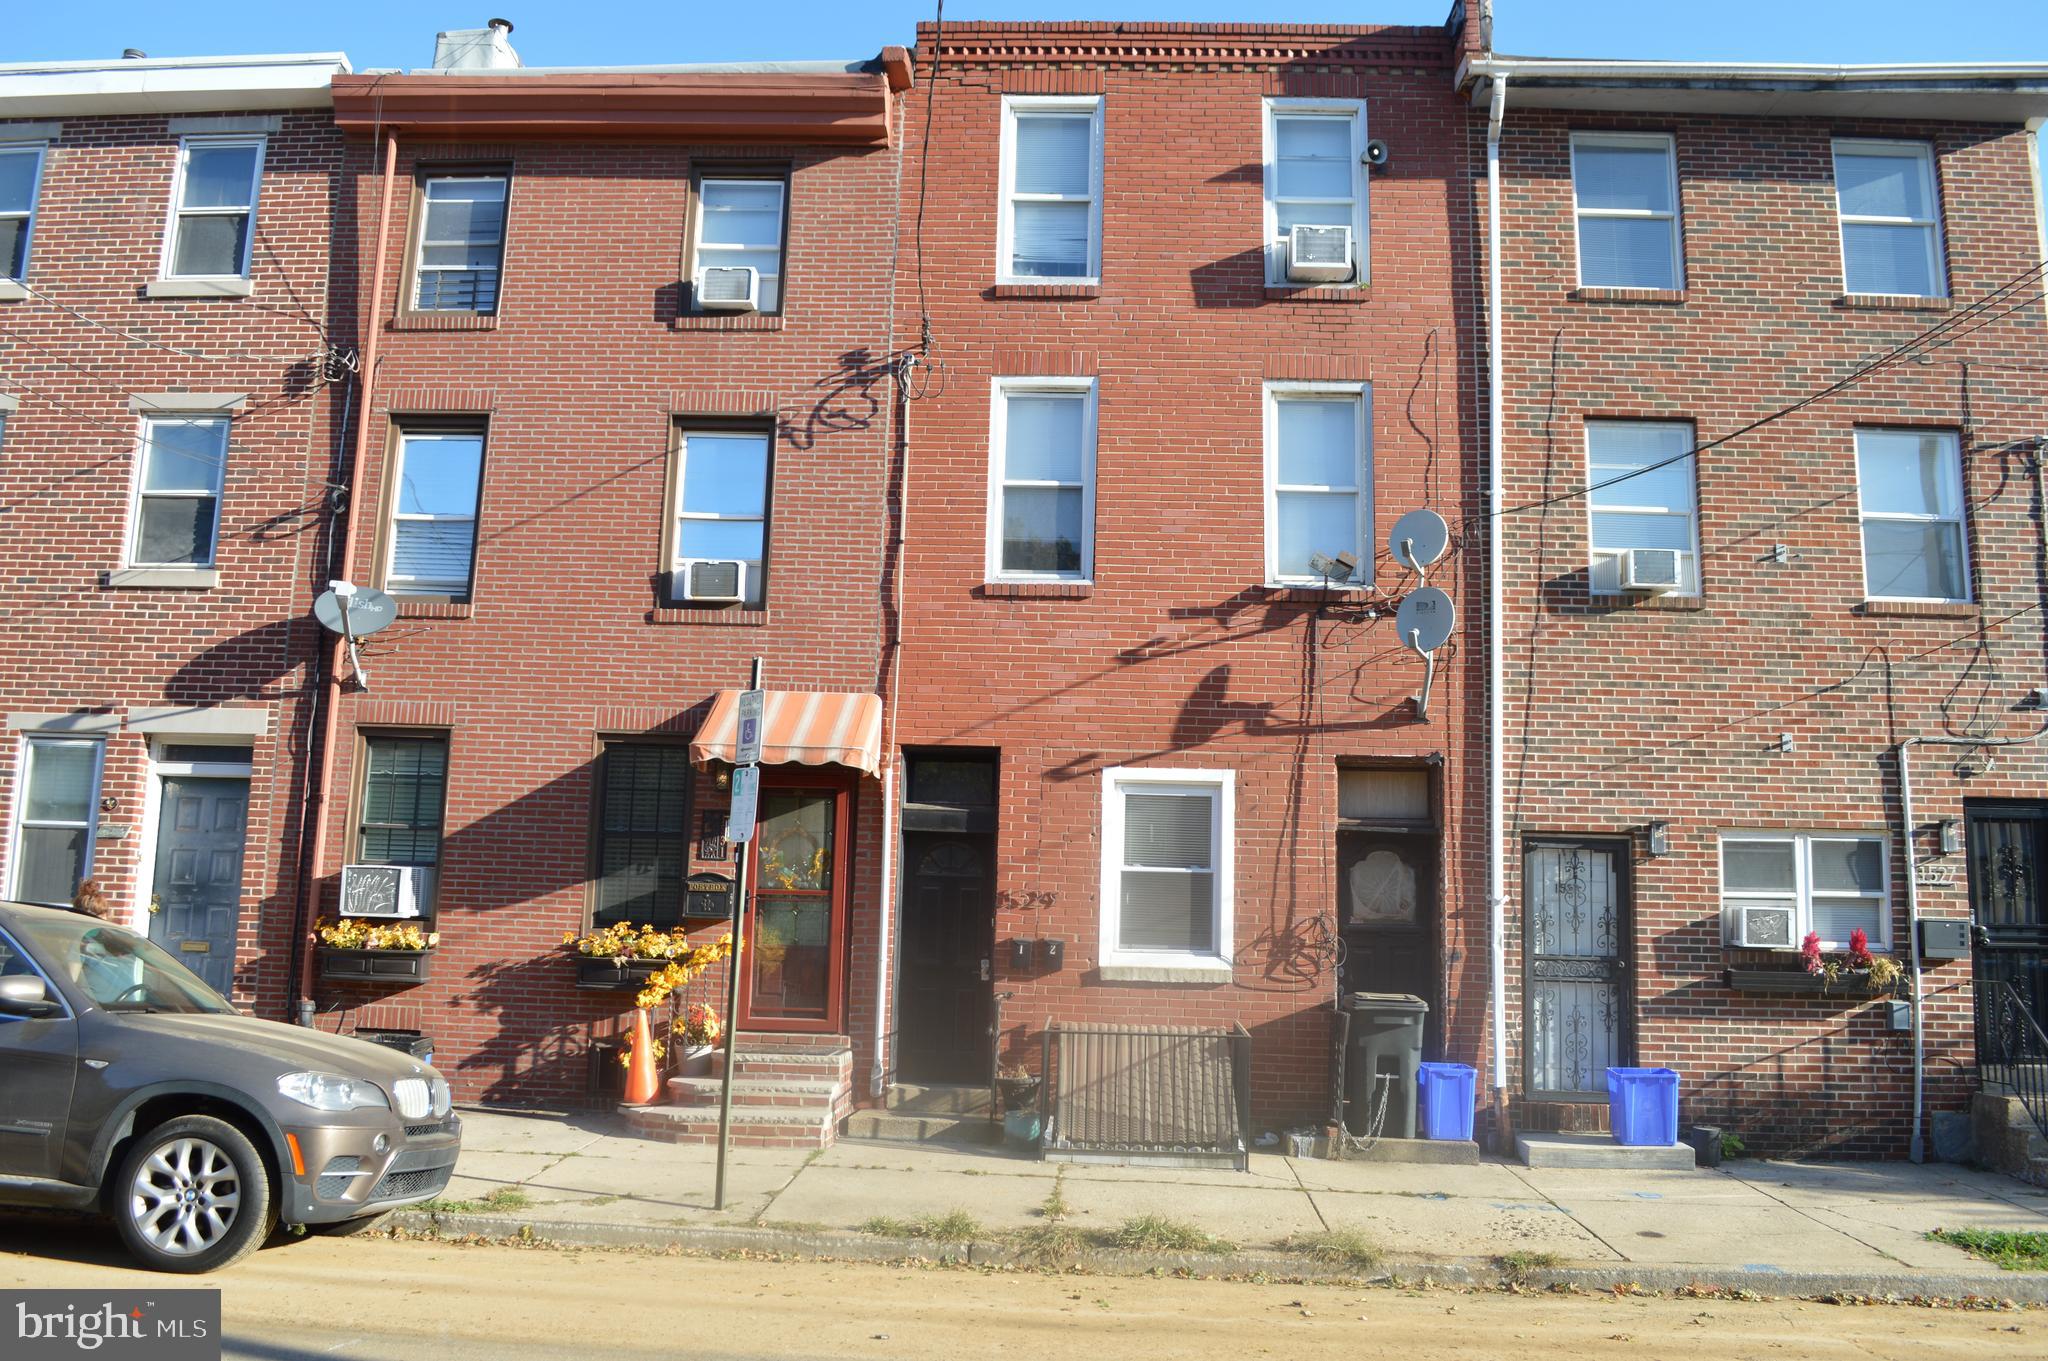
{"x":1642,"y":476}
{"x":1318,"y":479}
{"x":213,"y":217}
{"x":462,"y":243}
{"x":1052,"y":188}
{"x":405,"y":786}
{"x":1890,"y":219}
{"x":1315,"y":176}
{"x":1166,"y":849}
{"x":55,"y":819}
{"x":643,"y":820}
{"x":1910,"y":485}
{"x":1043,"y":486}
{"x":1835,"y":884}
{"x":176,"y":520}
{"x":433,"y":499}
{"x":1625,"y":190}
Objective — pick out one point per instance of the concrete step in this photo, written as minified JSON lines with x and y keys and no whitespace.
{"x":897,"y":1127}
{"x":752,"y":1092}
{"x":758,"y":1128}
{"x":911,"y":1098}
{"x":1442,"y":1152}
{"x":762,"y":1041}
{"x":1599,"y":1151}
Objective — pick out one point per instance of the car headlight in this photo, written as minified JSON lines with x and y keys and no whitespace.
{"x":328,"y":1092}
{"x":443,"y":1099}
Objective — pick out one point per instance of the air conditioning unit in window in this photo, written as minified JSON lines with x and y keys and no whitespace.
{"x":729,"y":288}
{"x":1765,"y":927}
{"x":716,"y":579}
{"x":1652,"y":571}
{"x":1319,"y":254}
{"x":385,"y":890}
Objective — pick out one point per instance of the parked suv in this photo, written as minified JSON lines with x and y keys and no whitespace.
{"x":132,"y":1088}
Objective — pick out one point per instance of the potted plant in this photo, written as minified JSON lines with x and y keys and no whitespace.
{"x":1854,"y":972}
{"x":622,"y":957}
{"x":384,"y":952}
{"x":697,"y":1030}
{"x":1018,"y":1086}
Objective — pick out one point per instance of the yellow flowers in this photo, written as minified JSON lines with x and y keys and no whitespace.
{"x":682,"y":970}
{"x":698,"y":1024}
{"x":623,"y":940}
{"x":353,"y":933}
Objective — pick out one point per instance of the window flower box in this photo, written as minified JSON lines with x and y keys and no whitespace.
{"x":610,"y":973}
{"x":1855,"y":983}
{"x":376,"y":966}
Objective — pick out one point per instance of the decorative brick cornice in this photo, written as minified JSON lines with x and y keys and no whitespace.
{"x":1145,"y":44}
{"x":437,"y":400}
{"x":406,"y":713}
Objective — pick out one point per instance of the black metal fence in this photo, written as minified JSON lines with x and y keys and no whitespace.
{"x":2012,"y":1049}
{"x":1138,"y":1092}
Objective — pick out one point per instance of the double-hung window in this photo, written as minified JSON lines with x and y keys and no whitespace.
{"x":1315,"y":176}
{"x":56,"y":818}
{"x":1833,"y":883}
{"x":1051,"y":218}
{"x":1642,"y":476}
{"x":721,"y":511}
{"x":1041,"y":511}
{"x":1891,"y":219}
{"x":434,"y":491}
{"x":1318,"y":479}
{"x":740,"y":225}
{"x":462,"y":243}
{"x":1167,"y":838}
{"x":405,"y":792}
{"x":213,"y":208}
{"x":1625,"y":193}
{"x":21,"y":172}
{"x":178,"y":491}
{"x":1910,"y":483}
{"x":642,"y":834}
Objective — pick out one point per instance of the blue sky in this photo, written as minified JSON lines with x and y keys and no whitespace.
{"x":595,"y":32}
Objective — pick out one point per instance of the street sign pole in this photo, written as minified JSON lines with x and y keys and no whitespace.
{"x":747,"y":767}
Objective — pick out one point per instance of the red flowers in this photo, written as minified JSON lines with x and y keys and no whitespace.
{"x":1809,"y":953}
{"x":1859,"y":949}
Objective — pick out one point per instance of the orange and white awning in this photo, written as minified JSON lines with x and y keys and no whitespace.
{"x":798,"y":727}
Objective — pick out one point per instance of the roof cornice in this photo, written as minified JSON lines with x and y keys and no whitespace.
{"x":298,"y":80}
{"x":1140,"y":44}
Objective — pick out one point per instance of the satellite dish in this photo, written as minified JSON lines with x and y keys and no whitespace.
{"x":1425,"y":619}
{"x":1419,"y":539}
{"x":367,"y":611}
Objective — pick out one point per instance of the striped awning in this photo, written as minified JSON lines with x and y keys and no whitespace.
{"x":798,"y":727}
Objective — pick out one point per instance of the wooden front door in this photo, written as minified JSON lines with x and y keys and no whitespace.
{"x":944,"y":1008}
{"x":796,"y":916}
{"x":1576,"y":948}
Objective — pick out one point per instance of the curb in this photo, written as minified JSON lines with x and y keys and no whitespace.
{"x":1473,"y":1272}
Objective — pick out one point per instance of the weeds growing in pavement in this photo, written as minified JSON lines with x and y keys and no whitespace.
{"x":1517,"y":1267}
{"x":954,"y":1226}
{"x":2011,"y":1250}
{"x":1338,"y":1247}
{"x":1157,"y":1233}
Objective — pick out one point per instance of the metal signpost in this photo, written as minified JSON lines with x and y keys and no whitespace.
{"x":739,"y":830}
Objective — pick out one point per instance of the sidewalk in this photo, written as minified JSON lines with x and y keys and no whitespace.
{"x":1774,"y":1227}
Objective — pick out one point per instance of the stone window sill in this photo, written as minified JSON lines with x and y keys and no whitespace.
{"x":162,"y":578}
{"x":711,"y":618}
{"x":727,"y":321}
{"x":1892,"y":302}
{"x":1283,"y":594}
{"x":1200,"y":975}
{"x":1046,"y":291}
{"x":1036,"y":590}
{"x":10,"y":291}
{"x":1318,"y":293}
{"x":198,"y":288}
{"x":415,"y":607}
{"x":1920,"y":609}
{"x":1676,"y":604}
{"x":1663,"y":295}
{"x":443,"y":321}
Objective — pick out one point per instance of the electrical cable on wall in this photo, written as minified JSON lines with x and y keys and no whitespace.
{"x":927,"y":355}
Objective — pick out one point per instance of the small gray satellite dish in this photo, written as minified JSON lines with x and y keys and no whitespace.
{"x":1425,"y":619}
{"x":1419,"y":539}
{"x":368,"y":611}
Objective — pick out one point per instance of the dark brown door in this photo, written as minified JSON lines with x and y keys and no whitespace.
{"x":1387,"y":915}
{"x":948,"y":956}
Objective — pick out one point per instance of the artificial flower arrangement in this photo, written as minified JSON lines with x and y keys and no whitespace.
{"x":1882,"y":972}
{"x":697,"y":1027}
{"x":353,"y":933}
{"x":682,"y":970}
{"x":623,"y":940}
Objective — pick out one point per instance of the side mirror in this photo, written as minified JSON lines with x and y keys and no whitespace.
{"x":25,"y":995}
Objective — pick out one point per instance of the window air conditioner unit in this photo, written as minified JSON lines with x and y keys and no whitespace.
{"x":1766,"y":927}
{"x":729,"y":288}
{"x":393,"y":891}
{"x":1319,"y":254}
{"x":1652,"y":571}
{"x":721,"y":579}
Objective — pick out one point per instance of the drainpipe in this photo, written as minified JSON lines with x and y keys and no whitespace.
{"x":2035,"y":126}
{"x":1918,"y":1151}
{"x":1496,"y":652}
{"x":330,"y":698}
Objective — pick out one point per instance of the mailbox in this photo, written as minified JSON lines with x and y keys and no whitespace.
{"x":1052,"y":953}
{"x":1944,"y":938}
{"x":1020,"y":956}
{"x":710,"y":895}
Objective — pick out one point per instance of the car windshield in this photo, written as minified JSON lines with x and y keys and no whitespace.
{"x":116,"y":968}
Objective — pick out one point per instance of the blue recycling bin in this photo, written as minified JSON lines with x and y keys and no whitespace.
{"x":1446,"y":1099}
{"x":1642,"y":1106}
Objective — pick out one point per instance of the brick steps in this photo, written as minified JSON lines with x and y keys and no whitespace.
{"x":788,"y":1091}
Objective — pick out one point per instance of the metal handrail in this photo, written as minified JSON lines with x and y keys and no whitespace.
{"x":2012,"y":1050}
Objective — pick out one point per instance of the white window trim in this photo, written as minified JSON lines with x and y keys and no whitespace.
{"x":40,"y":150}
{"x":1006,"y":171}
{"x":166,"y":269}
{"x":697,"y":265}
{"x":420,"y":268}
{"x":1275,"y":394}
{"x":1801,"y":896}
{"x":1361,"y":182}
{"x":1937,"y":240}
{"x":21,"y":819}
{"x":136,"y":494}
{"x":1662,"y":141}
{"x":757,"y":570}
{"x":1000,"y":390}
{"x":1597,"y":556}
{"x":413,"y":586}
{"x":1953,"y":475}
{"x":1222,"y":785}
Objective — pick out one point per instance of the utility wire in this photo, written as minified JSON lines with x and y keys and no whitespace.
{"x":926,"y":345}
{"x":51,"y":300}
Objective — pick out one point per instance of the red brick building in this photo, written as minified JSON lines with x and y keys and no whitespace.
{"x":1742,"y":566}
{"x":169,"y":418}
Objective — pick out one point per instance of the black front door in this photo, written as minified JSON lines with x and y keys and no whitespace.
{"x":2008,"y":902}
{"x":948,"y":957}
{"x":1386,"y":910}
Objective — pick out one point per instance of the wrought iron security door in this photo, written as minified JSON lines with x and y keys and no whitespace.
{"x":1575,"y":967}
{"x":2008,"y":843}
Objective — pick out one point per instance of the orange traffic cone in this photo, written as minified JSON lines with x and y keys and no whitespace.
{"x":643,"y":1084}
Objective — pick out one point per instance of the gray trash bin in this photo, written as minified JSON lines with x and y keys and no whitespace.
{"x":1386,"y":1041}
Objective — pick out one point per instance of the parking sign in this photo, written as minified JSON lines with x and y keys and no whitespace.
{"x":746,"y":793}
{"x":748,"y":748}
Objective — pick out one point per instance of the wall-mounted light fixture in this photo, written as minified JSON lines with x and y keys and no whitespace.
{"x":1658,"y":835}
{"x":1951,"y":835}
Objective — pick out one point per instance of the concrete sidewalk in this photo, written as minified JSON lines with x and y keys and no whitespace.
{"x":1747,"y":1224}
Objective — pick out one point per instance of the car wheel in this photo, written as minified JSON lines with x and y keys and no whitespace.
{"x":192,"y":1195}
{"x":349,"y":1228}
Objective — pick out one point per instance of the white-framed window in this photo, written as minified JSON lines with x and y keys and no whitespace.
{"x":1168,"y":858}
{"x":1910,"y":487}
{"x":740,"y":222}
{"x":1890,"y":217}
{"x":1315,"y":176}
{"x":21,"y":175}
{"x":1834,"y":882}
{"x":462,"y":243}
{"x":721,"y":510}
{"x":1041,"y":492}
{"x":1049,"y":228}
{"x":213,"y":208}
{"x":179,"y":473}
{"x":1644,"y":495}
{"x":56,"y":818}
{"x":1625,"y":201}
{"x":1318,"y":479}
{"x":433,"y":516}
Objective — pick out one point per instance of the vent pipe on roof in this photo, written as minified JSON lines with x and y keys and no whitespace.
{"x":133,"y":54}
{"x":476,"y":49}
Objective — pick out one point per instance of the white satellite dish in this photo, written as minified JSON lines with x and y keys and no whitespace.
{"x":1419,"y":539}
{"x":354,"y":612}
{"x":1424,"y":622}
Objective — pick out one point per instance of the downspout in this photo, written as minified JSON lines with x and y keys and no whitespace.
{"x":330,"y":699}
{"x":2035,"y":127}
{"x":1496,"y":650}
